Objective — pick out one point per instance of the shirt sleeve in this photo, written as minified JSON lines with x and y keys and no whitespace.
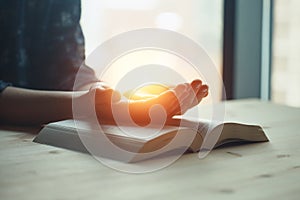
{"x":84,"y":76}
{"x":3,"y":85}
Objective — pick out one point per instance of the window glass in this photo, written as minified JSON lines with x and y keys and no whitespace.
{"x":200,"y":20}
{"x":285,"y":86}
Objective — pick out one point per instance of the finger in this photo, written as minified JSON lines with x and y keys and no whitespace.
{"x":189,"y":97}
{"x":184,"y":99}
{"x":203,"y":92}
{"x":196,"y":84}
{"x":181,"y":92}
{"x":185,"y":94}
{"x":198,"y":92}
{"x":181,"y":99}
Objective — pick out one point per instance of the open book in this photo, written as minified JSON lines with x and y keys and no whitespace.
{"x":143,"y":143}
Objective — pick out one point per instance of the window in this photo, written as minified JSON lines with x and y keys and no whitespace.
{"x":285,"y":87}
{"x":200,"y":20}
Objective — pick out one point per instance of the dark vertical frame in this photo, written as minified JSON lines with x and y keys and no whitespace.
{"x":246,"y":48}
{"x":228,"y":48}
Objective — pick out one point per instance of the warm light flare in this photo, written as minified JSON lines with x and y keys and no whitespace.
{"x":146,"y":92}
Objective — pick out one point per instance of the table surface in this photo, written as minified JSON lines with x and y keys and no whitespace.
{"x":254,"y":171}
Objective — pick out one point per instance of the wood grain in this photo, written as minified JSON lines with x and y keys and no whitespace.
{"x":253,"y":171}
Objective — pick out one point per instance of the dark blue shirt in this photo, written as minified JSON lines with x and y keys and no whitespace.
{"x":42,"y":45}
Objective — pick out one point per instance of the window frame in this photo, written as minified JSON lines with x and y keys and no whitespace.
{"x":247,"y":48}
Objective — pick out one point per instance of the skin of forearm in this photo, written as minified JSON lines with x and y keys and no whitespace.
{"x":25,"y":106}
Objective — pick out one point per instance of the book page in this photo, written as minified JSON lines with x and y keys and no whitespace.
{"x":136,"y":132}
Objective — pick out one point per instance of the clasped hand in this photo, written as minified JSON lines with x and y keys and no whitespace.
{"x":109,"y":106}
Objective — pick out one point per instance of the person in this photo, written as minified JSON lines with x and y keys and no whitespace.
{"x":42,"y":48}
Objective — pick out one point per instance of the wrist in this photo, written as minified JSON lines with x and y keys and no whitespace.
{"x":82,"y":105}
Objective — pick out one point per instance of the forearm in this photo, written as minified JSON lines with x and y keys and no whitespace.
{"x":24,"y":106}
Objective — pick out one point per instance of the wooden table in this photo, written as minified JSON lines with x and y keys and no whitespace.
{"x":254,"y":171}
